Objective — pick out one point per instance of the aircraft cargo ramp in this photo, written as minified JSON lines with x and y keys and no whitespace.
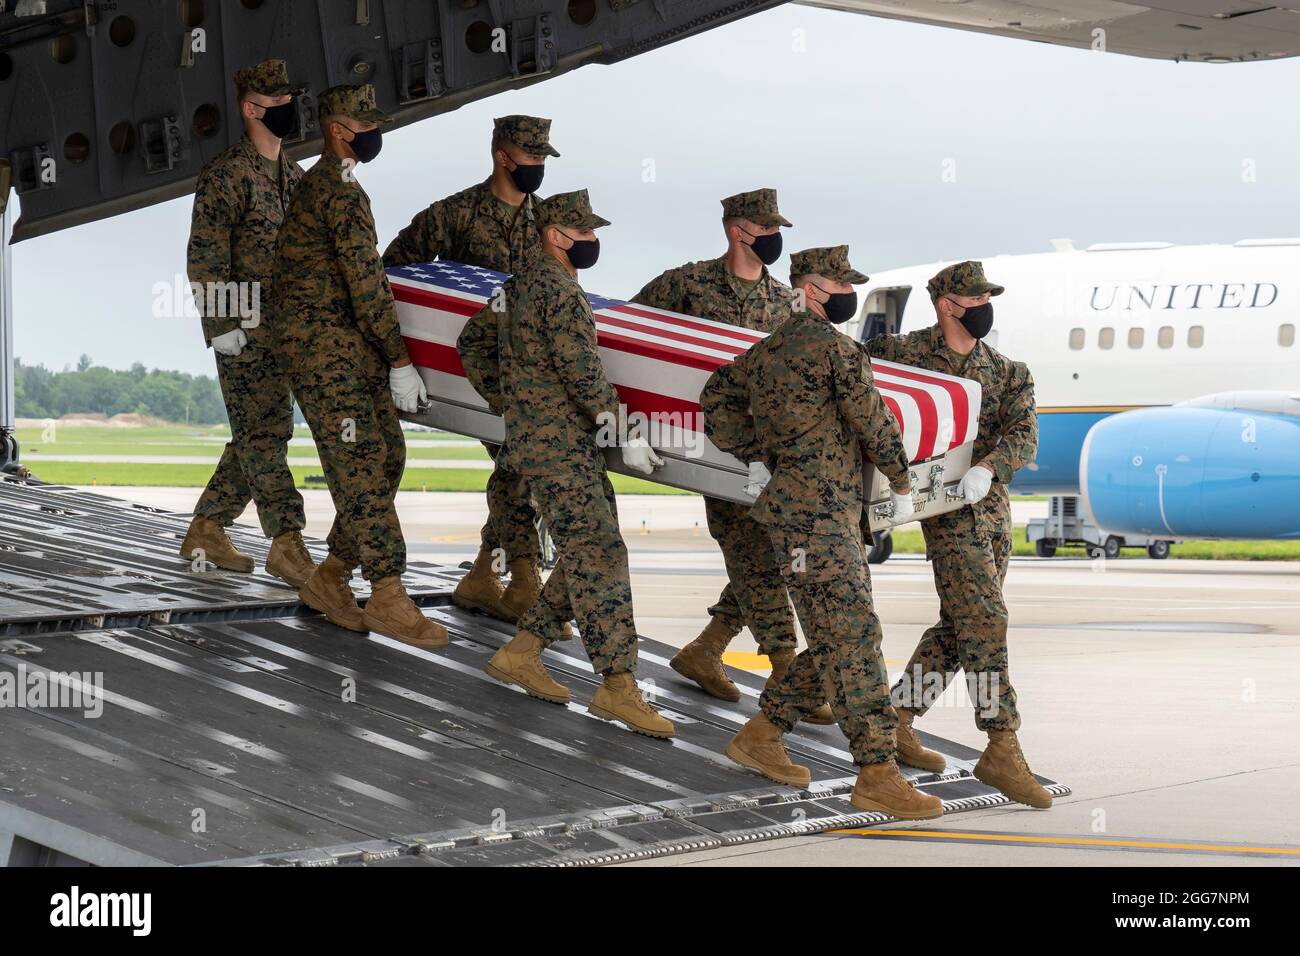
{"x":239,"y":727}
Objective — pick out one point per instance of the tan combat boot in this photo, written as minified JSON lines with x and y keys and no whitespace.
{"x":480,"y":589}
{"x":781,"y":660}
{"x":910,"y":750}
{"x":391,"y":611}
{"x":326,"y":590}
{"x":520,"y":662}
{"x":701,"y":661}
{"x":525,"y":586}
{"x":881,"y":787}
{"x":209,"y":538}
{"x":1003,"y":766}
{"x":289,"y":560}
{"x":758,"y":746}
{"x":620,"y":699}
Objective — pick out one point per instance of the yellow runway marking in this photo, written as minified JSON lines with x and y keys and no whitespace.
{"x":752,"y":661}
{"x":1077,"y":841}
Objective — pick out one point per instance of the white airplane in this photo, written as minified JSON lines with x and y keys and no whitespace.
{"x":1167,"y":379}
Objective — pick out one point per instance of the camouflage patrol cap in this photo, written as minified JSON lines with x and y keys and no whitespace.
{"x":270,"y":78}
{"x":532,"y":134}
{"x":569,"y":209}
{"x":757,"y":205}
{"x":964,"y":278}
{"x":829,"y":261}
{"x":354,"y":102}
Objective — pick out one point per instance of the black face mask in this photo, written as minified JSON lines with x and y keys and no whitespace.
{"x":841,"y":306}
{"x":584,"y":253}
{"x":767,"y":248}
{"x":977,"y":320}
{"x":280,"y":120}
{"x":367,"y":145}
{"x":528,"y":179}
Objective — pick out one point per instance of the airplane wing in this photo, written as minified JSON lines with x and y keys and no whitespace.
{"x":1208,"y":31}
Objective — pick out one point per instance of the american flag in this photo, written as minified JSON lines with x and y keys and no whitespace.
{"x":658,"y":361}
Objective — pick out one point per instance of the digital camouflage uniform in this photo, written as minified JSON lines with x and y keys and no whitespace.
{"x":476,"y":228}
{"x":537,"y":364}
{"x":754,"y":595}
{"x":339,"y":333}
{"x":802,"y":400}
{"x":239,"y":204}
{"x":969,"y":548}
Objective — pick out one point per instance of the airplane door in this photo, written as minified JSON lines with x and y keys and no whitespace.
{"x":883,"y":312}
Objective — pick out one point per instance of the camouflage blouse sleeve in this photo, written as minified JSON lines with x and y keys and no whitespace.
{"x":1018,"y":432}
{"x":727,"y":418}
{"x":576,"y":357}
{"x":218,"y":209}
{"x":867,"y":414}
{"x":477,"y":345}
{"x":353,"y":229}
{"x":881,"y":347}
{"x":423,"y":239}
{"x":664,"y":292}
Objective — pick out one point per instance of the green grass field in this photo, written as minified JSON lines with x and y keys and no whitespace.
{"x":182,"y":440}
{"x":206,"y":441}
{"x":911,"y":542}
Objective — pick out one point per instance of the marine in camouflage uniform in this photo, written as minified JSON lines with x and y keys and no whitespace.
{"x":478,"y":227}
{"x":536,"y":363}
{"x":969,"y":548}
{"x":803,"y":402}
{"x":754,"y":595}
{"x":239,"y":204}
{"x":340,"y":338}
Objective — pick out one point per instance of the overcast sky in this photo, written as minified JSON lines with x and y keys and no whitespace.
{"x":910,"y":143}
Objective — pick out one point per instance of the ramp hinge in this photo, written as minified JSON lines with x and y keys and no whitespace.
{"x":160,"y":143}
{"x":532,"y":45}
{"x":32,"y":168}
{"x":420,"y":71}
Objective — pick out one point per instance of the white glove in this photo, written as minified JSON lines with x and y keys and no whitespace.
{"x":639,"y":456}
{"x":975,"y":484}
{"x":759,"y":476}
{"x":230,"y":343}
{"x":407,"y":388}
{"x":903,"y":507}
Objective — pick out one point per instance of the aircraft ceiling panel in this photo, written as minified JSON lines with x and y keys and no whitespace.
{"x":107,"y":107}
{"x":1212,"y":31}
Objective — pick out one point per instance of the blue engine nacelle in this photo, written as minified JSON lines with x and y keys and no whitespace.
{"x":1191,"y":471}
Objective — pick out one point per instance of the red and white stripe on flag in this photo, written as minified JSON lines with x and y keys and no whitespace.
{"x":658,"y":361}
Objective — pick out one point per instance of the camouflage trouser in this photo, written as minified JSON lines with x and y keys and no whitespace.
{"x":755,"y":595}
{"x":511,"y":524}
{"x":828,"y":580}
{"x":363,"y":453}
{"x":590,"y":582}
{"x":969,"y":569}
{"x":253,"y":466}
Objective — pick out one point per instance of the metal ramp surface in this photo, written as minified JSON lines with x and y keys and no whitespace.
{"x":239,"y":728}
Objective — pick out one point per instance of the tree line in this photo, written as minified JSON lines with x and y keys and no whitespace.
{"x":93,"y":389}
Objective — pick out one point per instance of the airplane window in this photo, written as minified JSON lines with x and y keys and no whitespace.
{"x":1165,"y":337}
{"x":1196,"y":336}
{"x":1106,"y":337}
{"x":1135,"y":337}
{"x":1076,"y":339}
{"x":1286,"y":335}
